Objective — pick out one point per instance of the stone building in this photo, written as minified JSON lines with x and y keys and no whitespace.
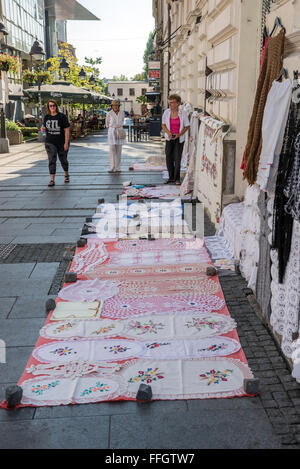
{"x":210,"y":55}
{"x":127,"y":92}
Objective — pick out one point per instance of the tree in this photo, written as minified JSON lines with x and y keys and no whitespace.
{"x":72,"y":75}
{"x":148,"y":51}
{"x":120,"y":78}
{"x":139,"y":77}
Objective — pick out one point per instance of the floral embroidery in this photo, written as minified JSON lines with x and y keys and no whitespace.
{"x":151,"y":374}
{"x":116,"y":349}
{"x":98,"y":387}
{"x":148,"y":326}
{"x":201,"y":323}
{"x":64,"y":327}
{"x":215,"y":377}
{"x":157,"y":344}
{"x":104,"y":330}
{"x":213,"y":348}
{"x":62,"y":351}
{"x":41,"y":388}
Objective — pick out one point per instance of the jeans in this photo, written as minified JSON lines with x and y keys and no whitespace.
{"x":173,"y":158}
{"x":54,"y":150}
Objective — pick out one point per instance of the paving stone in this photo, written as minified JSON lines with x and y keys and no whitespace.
{"x":62,"y":433}
{"x":6,"y":305}
{"x":205,"y":429}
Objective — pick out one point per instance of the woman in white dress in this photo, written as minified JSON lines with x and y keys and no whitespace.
{"x":116,"y":135}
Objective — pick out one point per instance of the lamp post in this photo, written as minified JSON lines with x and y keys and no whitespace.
{"x":64,"y":67}
{"x":82,"y":76}
{"x":4,"y":142}
{"x":37,"y":54}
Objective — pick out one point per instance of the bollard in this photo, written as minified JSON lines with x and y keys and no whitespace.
{"x":50,"y":305}
{"x":144,"y":393}
{"x":251,"y":386}
{"x":81,"y":242}
{"x":70,"y":277}
{"x":13,"y":395}
{"x":211,"y":271}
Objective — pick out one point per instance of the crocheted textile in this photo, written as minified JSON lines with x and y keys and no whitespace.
{"x":270,"y":71}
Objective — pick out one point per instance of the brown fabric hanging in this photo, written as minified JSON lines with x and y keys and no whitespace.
{"x":271,"y":68}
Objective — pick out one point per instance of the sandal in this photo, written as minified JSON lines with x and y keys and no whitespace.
{"x":67,"y":178}
{"x":177,"y":183}
{"x":51,"y":184}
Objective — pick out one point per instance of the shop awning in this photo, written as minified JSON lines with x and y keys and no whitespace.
{"x":68,"y":93}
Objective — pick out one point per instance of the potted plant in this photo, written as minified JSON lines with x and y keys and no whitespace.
{"x":39,"y":76}
{"x":14,"y":133}
{"x":9,"y":63}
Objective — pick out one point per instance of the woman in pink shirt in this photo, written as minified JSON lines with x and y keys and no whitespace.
{"x":175,"y":123}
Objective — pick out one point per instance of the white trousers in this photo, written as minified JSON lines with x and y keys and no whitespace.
{"x":115,"y":157}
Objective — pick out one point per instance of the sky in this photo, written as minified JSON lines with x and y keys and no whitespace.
{"x":119,"y":38}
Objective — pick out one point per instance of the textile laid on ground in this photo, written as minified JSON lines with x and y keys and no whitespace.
{"x":167,"y":191}
{"x":271,"y":67}
{"x":187,"y":185}
{"x":231,"y":227}
{"x":273,"y":128}
{"x":147,"y":167}
{"x":168,"y":327}
{"x":209,"y":166}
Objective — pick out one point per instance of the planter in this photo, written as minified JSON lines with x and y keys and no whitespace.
{"x":4,"y":67}
{"x":15,"y":137}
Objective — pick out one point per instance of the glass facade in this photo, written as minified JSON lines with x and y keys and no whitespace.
{"x":24,"y":20}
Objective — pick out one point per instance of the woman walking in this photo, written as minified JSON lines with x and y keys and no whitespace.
{"x":175,"y":123}
{"x":116,"y":135}
{"x":57,"y":127}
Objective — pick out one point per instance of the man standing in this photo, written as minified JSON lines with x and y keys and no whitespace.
{"x":57,"y":127}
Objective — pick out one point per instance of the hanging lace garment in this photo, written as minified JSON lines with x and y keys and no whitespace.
{"x":188,"y":182}
{"x":283,"y":221}
{"x":292,"y":189}
{"x":263,"y":281}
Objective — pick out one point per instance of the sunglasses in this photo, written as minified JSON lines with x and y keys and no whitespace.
{"x":52,"y":105}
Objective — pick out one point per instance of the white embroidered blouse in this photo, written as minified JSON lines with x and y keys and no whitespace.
{"x":113,"y":122}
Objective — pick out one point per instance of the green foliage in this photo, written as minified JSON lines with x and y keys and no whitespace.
{"x":11,"y":125}
{"x":141,"y":99}
{"x":120,"y":78}
{"x":148,"y":51}
{"x":72,"y":75}
{"x":139,"y":77}
{"x":27,"y":131}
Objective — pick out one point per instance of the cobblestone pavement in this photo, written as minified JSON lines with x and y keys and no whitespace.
{"x":38,"y":231}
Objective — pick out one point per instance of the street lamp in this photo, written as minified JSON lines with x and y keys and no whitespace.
{"x":82,"y":74}
{"x":64,"y":67}
{"x":37,"y":53}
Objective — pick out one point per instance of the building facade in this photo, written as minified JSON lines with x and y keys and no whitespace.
{"x":210,"y":55}
{"x":27,"y":21}
{"x":127,"y":92}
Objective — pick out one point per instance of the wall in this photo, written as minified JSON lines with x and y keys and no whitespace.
{"x":225,"y":35}
{"x":130,"y":102}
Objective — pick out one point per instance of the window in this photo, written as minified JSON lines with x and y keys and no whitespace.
{"x":144,"y":91}
{"x":131,"y":92}
{"x":120,"y":91}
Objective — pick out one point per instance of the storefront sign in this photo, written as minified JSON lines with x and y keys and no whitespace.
{"x":154,"y":74}
{"x":154,"y":83}
{"x":154,"y":65}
